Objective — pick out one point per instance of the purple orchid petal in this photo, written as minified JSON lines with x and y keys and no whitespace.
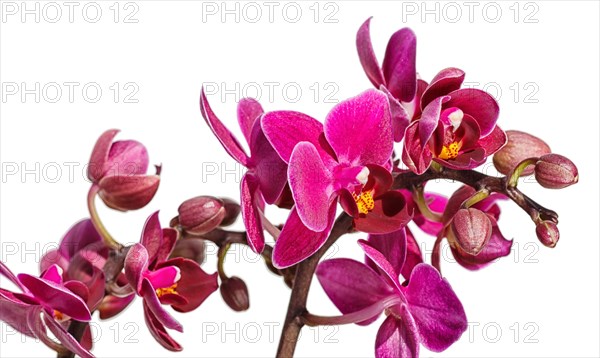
{"x":248,"y":113}
{"x":297,"y":242}
{"x":169,"y":239}
{"x":494,"y":141}
{"x":381,"y":261}
{"x":413,"y":255}
{"x":151,"y":299}
{"x":79,"y":236}
{"x":446,"y":81}
{"x":99,"y":155}
{"x":136,"y":264}
{"x":53,"y":257}
{"x":195,"y":285}
{"x":359,"y":129}
{"x":351,"y":285}
{"x":159,"y":332}
{"x":152,"y":236}
{"x":268,"y":167}
{"x":437,"y":204}
{"x":438,"y":313}
{"x":163,"y":277}
{"x":367,"y":56}
{"x":56,"y":297}
{"x":464,"y":161}
{"x":231,"y":145}
{"x":390,"y":213}
{"x":251,"y":214}
{"x":430,"y":118}
{"x":6,"y":272}
{"x":397,"y":338}
{"x":14,"y":312}
{"x":392,"y":245}
{"x":348,"y":203}
{"x":399,"y":65}
{"x":65,"y":338}
{"x":126,"y":157}
{"x":496,"y":248}
{"x":455,"y":201}
{"x":285,"y":129}
{"x":38,"y":327}
{"x":478,"y":104}
{"x":415,"y":155}
{"x":87,"y":340}
{"x":311,"y":185}
{"x":400,"y":117}
{"x":53,"y":274}
{"x":112,"y":306}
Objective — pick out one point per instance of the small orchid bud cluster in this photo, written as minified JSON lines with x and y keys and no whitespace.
{"x":369,"y":159}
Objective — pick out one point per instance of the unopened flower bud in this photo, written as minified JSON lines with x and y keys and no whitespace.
{"x":520,"y":146}
{"x":554,"y":171}
{"x":548,"y":234}
{"x":235,"y":293}
{"x":472,"y":229}
{"x":128,"y":192}
{"x":191,"y":248}
{"x":201,"y":214}
{"x":232,"y":211}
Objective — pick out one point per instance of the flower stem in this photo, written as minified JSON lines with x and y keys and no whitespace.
{"x":366,"y":313}
{"x":108,"y":239}
{"x":515,"y":174}
{"x":221,"y":261}
{"x":419,"y":198}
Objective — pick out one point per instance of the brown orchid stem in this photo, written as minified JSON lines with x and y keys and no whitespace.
{"x":297,"y":313}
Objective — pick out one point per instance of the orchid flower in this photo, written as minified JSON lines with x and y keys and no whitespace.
{"x":265,"y":179}
{"x":347,"y":158}
{"x":177,"y":282}
{"x":425,"y":311}
{"x":45,"y":301}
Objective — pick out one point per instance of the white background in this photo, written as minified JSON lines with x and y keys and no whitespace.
{"x":536,"y":302}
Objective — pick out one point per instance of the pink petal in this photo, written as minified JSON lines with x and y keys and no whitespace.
{"x":413,"y":255}
{"x":56,"y":297}
{"x":151,"y":299}
{"x":479,"y":105}
{"x":248,"y":112}
{"x":389,"y":214}
{"x":296,"y":242}
{"x":311,"y":185}
{"x":231,"y":145}
{"x":415,"y":155}
{"x":496,"y":248}
{"x":285,"y":129}
{"x":129,"y":192}
{"x":53,"y":274}
{"x":400,"y":117}
{"x":152,"y":236}
{"x":79,"y":236}
{"x":6,"y":272}
{"x":14,"y":313}
{"x":53,"y":257}
{"x":65,"y":338}
{"x":195,"y":285}
{"x":446,"y":81}
{"x":381,"y":261}
{"x":351,"y":285}
{"x":397,"y":338}
{"x":126,"y":157}
{"x":367,"y":56}
{"x":159,"y":332}
{"x":251,"y":214}
{"x":438,"y":313}
{"x":359,"y":129}
{"x":169,"y":239}
{"x":267,"y":166}
{"x":163,"y":277}
{"x":136,"y":264}
{"x":112,"y":306}
{"x":392,"y":245}
{"x":99,"y":156}
{"x":430,"y":118}
{"x":399,"y":65}
{"x":493,"y":141}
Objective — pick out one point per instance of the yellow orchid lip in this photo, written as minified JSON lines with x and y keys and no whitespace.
{"x":450,"y":151}
{"x":172,"y":290}
{"x":364,"y":202}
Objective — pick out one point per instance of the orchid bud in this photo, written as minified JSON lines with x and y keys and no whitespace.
{"x":235,"y":293}
{"x":519,"y":147}
{"x":120,"y":158}
{"x":232,"y":211}
{"x":201,"y":214}
{"x":128,"y":192}
{"x":547,"y":232}
{"x":190,"y":248}
{"x":472,"y":229}
{"x":553,"y":171}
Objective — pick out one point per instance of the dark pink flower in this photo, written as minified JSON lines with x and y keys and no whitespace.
{"x":265,"y":179}
{"x":425,"y":311}
{"x":118,"y":170}
{"x":45,"y":302}
{"x":177,"y":282}
{"x":456,"y":128}
{"x":347,"y":158}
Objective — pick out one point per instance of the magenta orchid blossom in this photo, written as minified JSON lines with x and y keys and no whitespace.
{"x":346,"y":159}
{"x":177,"y":282}
{"x":265,"y":179}
{"x":305,"y":167}
{"x":425,"y":311}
